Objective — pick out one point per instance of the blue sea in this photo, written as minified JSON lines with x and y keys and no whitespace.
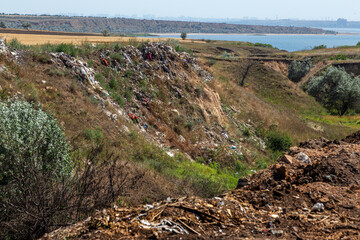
{"x":285,"y":42}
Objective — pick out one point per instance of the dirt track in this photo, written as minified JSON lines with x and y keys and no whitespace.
{"x":274,"y":203}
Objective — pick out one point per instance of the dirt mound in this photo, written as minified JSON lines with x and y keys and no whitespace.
{"x":313,"y":192}
{"x":353,"y":138}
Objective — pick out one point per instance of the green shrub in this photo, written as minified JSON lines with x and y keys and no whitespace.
{"x":246,"y":132}
{"x":29,"y":136}
{"x":319,"y":47}
{"x":183,"y":35}
{"x":94,"y":135}
{"x":70,"y":49}
{"x":278,"y":141}
{"x":117,"y":56}
{"x":339,"y":57}
{"x":113,"y":84}
{"x":264,"y":45}
{"x":189,"y":125}
{"x":14,"y":43}
{"x":298,"y":70}
{"x":34,"y":159}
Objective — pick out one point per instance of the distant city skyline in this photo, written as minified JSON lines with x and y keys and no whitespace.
{"x":225,"y":9}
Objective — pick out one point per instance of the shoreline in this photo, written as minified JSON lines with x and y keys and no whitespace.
{"x":255,"y":34}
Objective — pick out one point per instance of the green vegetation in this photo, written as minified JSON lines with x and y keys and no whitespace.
{"x":298,"y":70}
{"x":336,"y":89}
{"x":3,"y":24}
{"x":183,"y":35}
{"x":265,"y":45}
{"x":26,"y":25}
{"x":94,"y":135}
{"x":339,"y":57}
{"x":105,"y":33}
{"x":14,"y":43}
{"x":34,"y":157}
{"x":206,"y":180}
{"x":30,"y":138}
{"x":278,"y":141}
{"x":320,"y":47}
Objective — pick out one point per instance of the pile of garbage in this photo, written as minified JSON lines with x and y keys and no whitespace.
{"x":311,"y":193}
{"x":184,"y":79}
{"x":3,"y":48}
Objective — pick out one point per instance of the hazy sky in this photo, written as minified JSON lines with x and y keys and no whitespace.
{"x":302,"y":9}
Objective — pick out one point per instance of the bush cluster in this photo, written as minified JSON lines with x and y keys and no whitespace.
{"x":298,"y":70}
{"x":278,"y":141}
{"x":336,"y":89}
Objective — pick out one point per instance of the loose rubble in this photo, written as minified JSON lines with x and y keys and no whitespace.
{"x":288,"y":200}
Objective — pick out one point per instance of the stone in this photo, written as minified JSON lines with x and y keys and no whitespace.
{"x":286,"y":159}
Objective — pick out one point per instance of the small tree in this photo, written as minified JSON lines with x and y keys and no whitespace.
{"x":105,"y":33}
{"x":298,"y":70}
{"x":183,"y":35}
{"x":336,"y":89}
{"x":26,"y":25}
{"x":3,"y":24}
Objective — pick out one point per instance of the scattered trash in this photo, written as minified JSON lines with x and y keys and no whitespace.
{"x":277,"y":233}
{"x":3,"y":49}
{"x":303,"y":158}
{"x":319,"y":207}
{"x":164,"y":225}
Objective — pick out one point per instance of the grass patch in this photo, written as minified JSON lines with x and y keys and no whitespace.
{"x":206,"y":180}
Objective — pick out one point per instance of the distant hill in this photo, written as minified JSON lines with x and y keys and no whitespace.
{"x":125,"y":25}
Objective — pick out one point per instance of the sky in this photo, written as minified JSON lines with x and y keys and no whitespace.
{"x":261,"y":9}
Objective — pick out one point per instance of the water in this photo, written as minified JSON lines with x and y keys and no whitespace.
{"x":285,"y":42}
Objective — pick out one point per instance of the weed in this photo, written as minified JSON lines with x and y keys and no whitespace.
{"x":278,"y":141}
{"x":246,"y":132}
{"x":117,"y":56}
{"x":199,"y":91}
{"x":339,"y":57}
{"x":95,"y":135}
{"x":14,"y":43}
{"x":189,"y":125}
{"x":319,"y":47}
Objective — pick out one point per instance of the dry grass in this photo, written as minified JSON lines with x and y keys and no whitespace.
{"x":34,"y":39}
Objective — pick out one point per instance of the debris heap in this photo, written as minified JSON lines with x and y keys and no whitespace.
{"x":187,"y":102}
{"x":293,"y":199}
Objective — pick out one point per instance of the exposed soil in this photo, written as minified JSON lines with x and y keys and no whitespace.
{"x":277,"y":202}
